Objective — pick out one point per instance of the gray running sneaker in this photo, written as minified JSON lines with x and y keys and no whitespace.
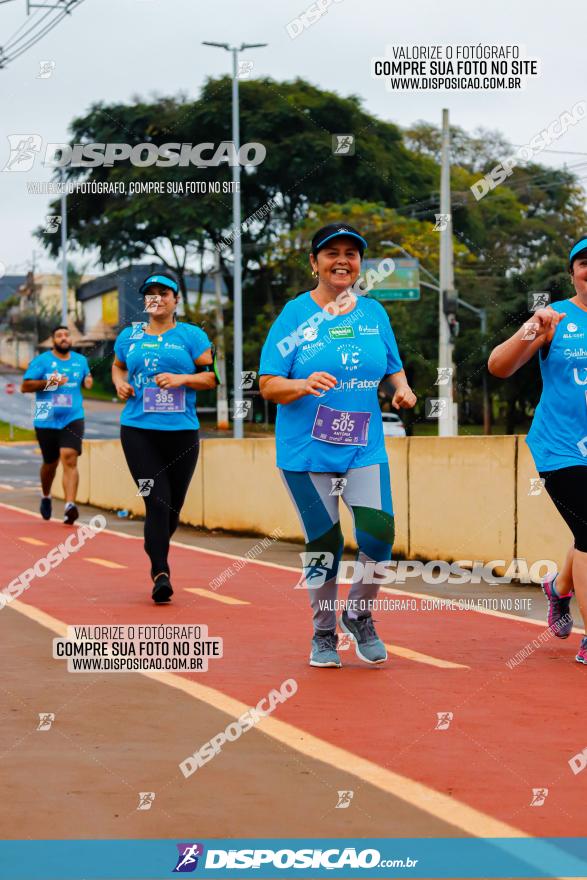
{"x":368,"y":645}
{"x":324,"y":651}
{"x":560,"y":622}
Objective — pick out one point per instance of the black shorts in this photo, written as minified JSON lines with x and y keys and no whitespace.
{"x":51,"y":440}
{"x":568,"y":489}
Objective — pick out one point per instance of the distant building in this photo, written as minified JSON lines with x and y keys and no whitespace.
{"x":9,"y":286}
{"x":112,"y":301}
{"x":44,"y":290}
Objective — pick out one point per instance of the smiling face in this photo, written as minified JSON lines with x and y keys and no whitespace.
{"x":579,"y":275}
{"x":160,"y":302}
{"x":338,"y":263}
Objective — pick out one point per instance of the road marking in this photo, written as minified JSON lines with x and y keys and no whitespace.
{"x":210,"y":594}
{"x":34,"y":541}
{"x":503,"y":614}
{"x":416,"y":794}
{"x":417,"y":657}
{"x":107,"y":563}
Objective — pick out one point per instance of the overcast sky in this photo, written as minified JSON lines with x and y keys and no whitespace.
{"x":108,"y":50}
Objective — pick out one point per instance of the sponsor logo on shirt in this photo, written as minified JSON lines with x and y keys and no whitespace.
{"x":313,"y":346}
{"x":365,"y":330}
{"x":355,"y":384}
{"x":580,"y":353}
{"x":310,"y":333}
{"x":576,"y":377}
{"x":572,"y":332}
{"x":150,"y":345}
{"x":349,"y":356}
{"x":341,"y":332}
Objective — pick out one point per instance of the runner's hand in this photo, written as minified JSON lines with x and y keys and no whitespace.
{"x":404,"y":398}
{"x":169,"y":380}
{"x":59,"y":378}
{"x":124,"y":390}
{"x":543,"y":321}
{"x":317,"y":383}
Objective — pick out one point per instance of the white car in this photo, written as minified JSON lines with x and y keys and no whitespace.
{"x":392,"y":425}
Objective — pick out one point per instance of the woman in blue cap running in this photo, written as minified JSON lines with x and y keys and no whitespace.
{"x":558,"y":435}
{"x":322,"y":362}
{"x":158,"y":367}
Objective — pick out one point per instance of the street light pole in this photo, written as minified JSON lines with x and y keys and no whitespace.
{"x":63,"y":250}
{"x":447,"y":421}
{"x":481,"y":314}
{"x":236,"y":224}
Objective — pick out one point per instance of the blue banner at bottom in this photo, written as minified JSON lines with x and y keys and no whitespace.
{"x":280,"y":857}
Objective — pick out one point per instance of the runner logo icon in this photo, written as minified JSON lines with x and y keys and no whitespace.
{"x":187,"y":860}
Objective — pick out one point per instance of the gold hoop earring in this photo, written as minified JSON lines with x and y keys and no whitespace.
{"x":314,"y":274}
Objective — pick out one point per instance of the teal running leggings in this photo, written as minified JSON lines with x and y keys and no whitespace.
{"x":366,"y":492}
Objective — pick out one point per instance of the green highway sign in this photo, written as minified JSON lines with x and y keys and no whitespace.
{"x":392,"y":279}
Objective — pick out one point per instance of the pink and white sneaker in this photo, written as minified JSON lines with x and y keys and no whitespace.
{"x":582,"y":652}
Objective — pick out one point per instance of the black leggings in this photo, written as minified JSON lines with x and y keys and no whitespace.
{"x":168,"y":458}
{"x":568,"y":489}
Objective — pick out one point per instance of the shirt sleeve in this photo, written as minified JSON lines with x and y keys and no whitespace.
{"x":35,"y":369}
{"x":394,"y":361}
{"x":280,"y":347}
{"x":198,"y":342}
{"x":120,"y":347}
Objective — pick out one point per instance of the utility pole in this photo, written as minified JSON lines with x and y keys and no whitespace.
{"x":64,"y":304}
{"x":448,"y":419}
{"x":236,"y":227}
{"x":222,"y":420}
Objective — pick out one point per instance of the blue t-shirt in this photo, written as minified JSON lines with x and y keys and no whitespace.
{"x":59,"y":406}
{"x":145,"y":356}
{"x":558,"y":436}
{"x":342,"y":428}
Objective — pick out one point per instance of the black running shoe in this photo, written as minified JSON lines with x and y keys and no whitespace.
{"x":70,"y":515}
{"x":46,"y":508}
{"x":162,"y":590}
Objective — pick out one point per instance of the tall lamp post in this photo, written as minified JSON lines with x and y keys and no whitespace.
{"x":236,"y":222}
{"x":481,"y":314}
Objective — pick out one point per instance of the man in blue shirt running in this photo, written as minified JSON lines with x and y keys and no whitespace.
{"x":56,"y":378}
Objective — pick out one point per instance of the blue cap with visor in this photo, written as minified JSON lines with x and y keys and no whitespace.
{"x":163,"y":280}
{"x":577,"y":249}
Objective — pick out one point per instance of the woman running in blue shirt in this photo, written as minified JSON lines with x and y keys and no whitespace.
{"x":158,"y":367}
{"x":322,"y":362}
{"x":558,"y":435}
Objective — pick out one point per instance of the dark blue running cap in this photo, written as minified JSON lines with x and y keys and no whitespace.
{"x":577,"y":249}
{"x":334,"y":230}
{"x":163,"y":280}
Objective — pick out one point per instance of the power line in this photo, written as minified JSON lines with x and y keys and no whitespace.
{"x":28,"y":21}
{"x":18,"y":50}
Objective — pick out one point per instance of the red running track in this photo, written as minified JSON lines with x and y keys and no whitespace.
{"x":512,"y":731}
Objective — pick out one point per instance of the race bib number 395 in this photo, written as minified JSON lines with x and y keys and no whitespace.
{"x":161,"y":400}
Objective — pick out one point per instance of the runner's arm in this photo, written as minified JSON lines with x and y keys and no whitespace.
{"x":88,"y":381}
{"x":280,"y":389}
{"x":120,"y":380}
{"x":509,"y":356}
{"x":206,"y":378}
{"x":32,"y":385}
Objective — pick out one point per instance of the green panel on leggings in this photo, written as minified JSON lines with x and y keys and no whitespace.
{"x":376,"y":523}
{"x":330,"y":542}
